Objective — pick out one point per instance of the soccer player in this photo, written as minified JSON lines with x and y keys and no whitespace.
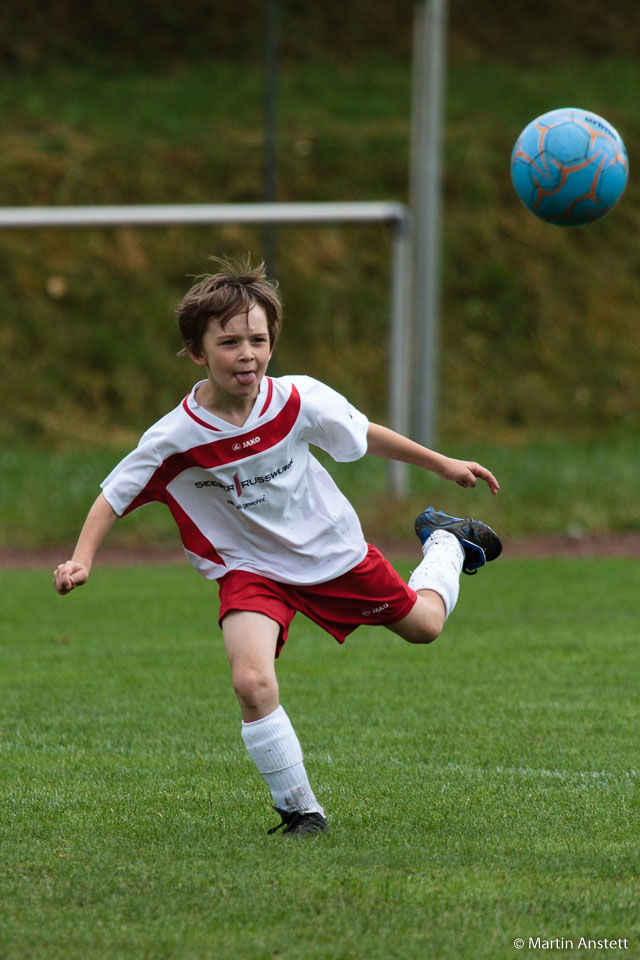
{"x":259,"y":514}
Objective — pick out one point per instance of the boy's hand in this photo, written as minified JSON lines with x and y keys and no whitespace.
{"x":67,"y":576}
{"x":466,"y":472}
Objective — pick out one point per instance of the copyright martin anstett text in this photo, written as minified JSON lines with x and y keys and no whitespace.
{"x":564,"y":943}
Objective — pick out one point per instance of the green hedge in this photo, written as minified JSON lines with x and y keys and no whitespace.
{"x":162,"y":31}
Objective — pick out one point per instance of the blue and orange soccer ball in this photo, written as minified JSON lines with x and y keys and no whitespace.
{"x":569,"y":167}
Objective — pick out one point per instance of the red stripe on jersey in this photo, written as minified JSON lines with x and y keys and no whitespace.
{"x":269,"y":395}
{"x":203,"y":423}
{"x":218,"y":453}
{"x":191,"y":535}
{"x":153,"y":492}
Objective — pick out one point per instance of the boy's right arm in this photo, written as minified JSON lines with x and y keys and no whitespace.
{"x":75,"y":572}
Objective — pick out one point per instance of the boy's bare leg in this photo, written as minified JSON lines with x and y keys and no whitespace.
{"x":250,"y":641}
{"x":425,"y":621}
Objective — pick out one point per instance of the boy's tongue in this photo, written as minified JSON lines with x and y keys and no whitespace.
{"x":246,"y":378}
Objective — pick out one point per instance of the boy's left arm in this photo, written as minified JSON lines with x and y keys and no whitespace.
{"x":386,"y":443}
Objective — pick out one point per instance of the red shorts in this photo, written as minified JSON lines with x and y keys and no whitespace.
{"x":372,"y":592}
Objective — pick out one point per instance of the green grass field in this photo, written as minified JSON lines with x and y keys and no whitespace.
{"x":478,"y":790}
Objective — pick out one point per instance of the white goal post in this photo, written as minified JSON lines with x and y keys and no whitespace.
{"x":395,"y":215}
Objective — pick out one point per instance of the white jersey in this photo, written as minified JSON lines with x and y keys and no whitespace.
{"x":253,"y":497}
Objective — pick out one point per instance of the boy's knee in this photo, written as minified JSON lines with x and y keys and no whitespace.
{"x":430,"y":617}
{"x":424,"y":624}
{"x":252,"y":686}
{"x":428,"y":631}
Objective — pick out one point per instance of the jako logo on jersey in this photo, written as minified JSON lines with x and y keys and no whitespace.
{"x":372,"y":613}
{"x":245,"y":443}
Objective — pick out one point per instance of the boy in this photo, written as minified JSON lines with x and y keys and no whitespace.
{"x":258,"y":513}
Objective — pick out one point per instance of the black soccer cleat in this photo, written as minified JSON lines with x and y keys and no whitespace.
{"x":300,"y":824}
{"x":479,"y":542}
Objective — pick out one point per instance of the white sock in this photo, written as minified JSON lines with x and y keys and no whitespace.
{"x":275,"y":749}
{"x":440,"y":568}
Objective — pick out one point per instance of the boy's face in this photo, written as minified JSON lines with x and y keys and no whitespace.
{"x":236,"y":355}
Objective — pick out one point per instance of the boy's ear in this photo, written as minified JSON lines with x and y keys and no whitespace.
{"x":197,"y":357}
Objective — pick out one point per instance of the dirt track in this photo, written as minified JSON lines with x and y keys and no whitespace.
{"x":603,"y":545}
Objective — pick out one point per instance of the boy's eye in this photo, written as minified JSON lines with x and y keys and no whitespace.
{"x":232,"y":341}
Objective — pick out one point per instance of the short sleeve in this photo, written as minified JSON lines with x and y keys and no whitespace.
{"x":334,"y":424}
{"x":136,"y":480}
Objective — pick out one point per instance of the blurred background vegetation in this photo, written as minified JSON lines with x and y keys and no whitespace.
{"x":163,"y":103}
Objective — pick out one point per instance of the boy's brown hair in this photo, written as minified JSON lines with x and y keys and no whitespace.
{"x":219,"y":296}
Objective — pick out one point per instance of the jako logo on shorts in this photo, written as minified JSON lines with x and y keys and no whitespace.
{"x":372,"y":613}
